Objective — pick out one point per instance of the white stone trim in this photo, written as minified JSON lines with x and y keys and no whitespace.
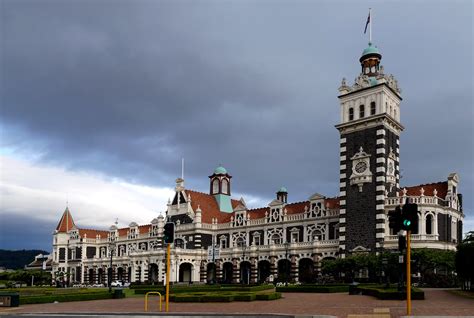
{"x":343,"y":158}
{"x":380,"y":197}
{"x":379,"y":206}
{"x":342,"y":167}
{"x":381,"y":132}
{"x":380,"y":169}
{"x":380,"y":226}
{"x":343,"y":140}
{"x":380,"y":188}
{"x":342,"y":202}
{"x":380,"y":150}
{"x":380,"y":178}
{"x":342,"y":193}
{"x":342,"y":229}
{"x":379,"y":235}
{"x":380,"y":160}
{"x":381,"y":141}
{"x":380,"y":216}
{"x":343,"y":149}
{"x":342,"y":176}
{"x":342,"y":220}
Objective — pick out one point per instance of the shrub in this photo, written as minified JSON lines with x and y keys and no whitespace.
{"x":245,"y":297}
{"x":391,"y":293}
{"x":217,"y":298}
{"x":269,"y":296}
{"x":187,"y":298}
{"x":63,"y":298}
{"x":314,"y":289}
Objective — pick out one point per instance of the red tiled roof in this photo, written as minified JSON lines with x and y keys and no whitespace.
{"x":210,"y":208}
{"x":92,"y":233}
{"x":296,"y":208}
{"x":331,"y":203}
{"x":441,"y":188}
{"x":66,"y":223}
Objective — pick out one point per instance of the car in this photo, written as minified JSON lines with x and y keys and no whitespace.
{"x":116,"y":283}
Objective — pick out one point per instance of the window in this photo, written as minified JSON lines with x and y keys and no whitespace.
{"x":295,"y":237}
{"x":372,"y":108}
{"x":429,"y":222}
{"x":225,"y":186}
{"x":215,"y":186}
{"x":317,"y":235}
{"x":275,"y":239}
{"x":240,"y":242}
{"x":223,"y":241}
{"x":361,"y":111}
{"x":351,"y":113}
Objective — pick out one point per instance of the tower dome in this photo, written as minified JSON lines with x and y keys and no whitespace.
{"x":220,"y":170}
{"x":370,"y":60}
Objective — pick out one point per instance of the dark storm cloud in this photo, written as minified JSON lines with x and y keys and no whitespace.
{"x":128,"y":88}
{"x":37,"y":233}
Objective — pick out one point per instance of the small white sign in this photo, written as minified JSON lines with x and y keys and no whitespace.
{"x":400,"y":259}
{"x":213,"y":253}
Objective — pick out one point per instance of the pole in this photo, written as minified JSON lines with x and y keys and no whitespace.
{"x":370,"y":25}
{"x":408,"y":274}
{"x":110,"y":271}
{"x":167,"y":276}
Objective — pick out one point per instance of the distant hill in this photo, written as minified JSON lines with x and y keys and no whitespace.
{"x":18,"y":259}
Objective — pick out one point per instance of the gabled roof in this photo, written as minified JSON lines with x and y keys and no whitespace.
{"x":66,"y":223}
{"x":441,"y":188}
{"x":210,"y":208}
{"x":91,"y":233}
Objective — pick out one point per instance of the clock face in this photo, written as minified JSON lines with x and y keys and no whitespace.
{"x":360,"y":167}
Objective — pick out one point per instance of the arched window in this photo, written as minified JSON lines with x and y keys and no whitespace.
{"x":240,"y":242}
{"x":351,"y":113}
{"x":317,"y":235}
{"x":429,"y":224}
{"x":275,"y":239}
{"x":215,"y":186}
{"x":225,"y":186}
{"x":361,"y":111}
{"x":372,"y":108}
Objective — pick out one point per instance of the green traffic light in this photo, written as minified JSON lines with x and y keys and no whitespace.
{"x":406,"y":222}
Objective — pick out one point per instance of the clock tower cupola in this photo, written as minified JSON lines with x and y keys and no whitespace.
{"x":369,"y":153}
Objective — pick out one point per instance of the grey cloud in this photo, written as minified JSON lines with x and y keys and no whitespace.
{"x":128,"y":88}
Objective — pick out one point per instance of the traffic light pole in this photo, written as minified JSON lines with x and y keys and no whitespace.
{"x":408,"y":273}
{"x":168,"y":249}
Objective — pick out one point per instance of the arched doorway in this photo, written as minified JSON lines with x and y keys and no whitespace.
{"x":91,"y":276}
{"x":120,"y":274}
{"x":153,"y":273}
{"x":211,"y":273}
{"x":263,"y":271}
{"x":100,"y":276}
{"x":284,"y":269}
{"x":306,"y":271}
{"x":245,"y":272}
{"x":227,"y":273}
{"x":185,"y":272}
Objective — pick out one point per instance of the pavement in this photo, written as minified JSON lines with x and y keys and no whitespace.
{"x":436,"y":303}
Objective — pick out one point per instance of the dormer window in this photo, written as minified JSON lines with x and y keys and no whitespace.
{"x":372,"y":108}
{"x":361,"y":111}
{"x":215,"y":186}
{"x":351,"y":113}
{"x":225,"y":186}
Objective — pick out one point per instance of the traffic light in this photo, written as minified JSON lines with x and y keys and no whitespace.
{"x":394,"y":219}
{"x":409,"y":217}
{"x":168,"y":233}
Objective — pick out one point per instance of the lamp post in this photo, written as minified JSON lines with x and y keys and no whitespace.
{"x":112,"y":246}
{"x":286,"y":263}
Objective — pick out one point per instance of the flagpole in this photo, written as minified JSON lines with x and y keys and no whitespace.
{"x":370,"y":25}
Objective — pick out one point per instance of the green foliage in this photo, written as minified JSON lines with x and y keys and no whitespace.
{"x":390,"y":293}
{"x":314,"y":289}
{"x":428,"y":261}
{"x":64,"y":297}
{"x":464,"y":261}
{"x":18,"y":259}
{"x":269,"y":296}
{"x":245,"y":297}
{"x":217,"y":297}
{"x":187,"y":298}
{"x":24,"y":277}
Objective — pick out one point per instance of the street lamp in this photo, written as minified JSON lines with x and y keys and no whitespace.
{"x":112,"y":246}
{"x":287,"y":244}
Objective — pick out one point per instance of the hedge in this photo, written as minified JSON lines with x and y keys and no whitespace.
{"x":64,"y":298}
{"x":245,"y":297}
{"x":217,"y":298}
{"x":186,"y":298}
{"x":248,"y":288}
{"x":314,"y":289}
{"x":391,"y":294}
{"x":270,"y":296}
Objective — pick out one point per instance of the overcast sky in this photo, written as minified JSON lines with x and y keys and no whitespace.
{"x":100,"y":100}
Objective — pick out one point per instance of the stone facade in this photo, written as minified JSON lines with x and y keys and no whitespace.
{"x":220,"y":239}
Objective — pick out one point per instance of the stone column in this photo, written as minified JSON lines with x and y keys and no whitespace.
{"x":203,"y":272}
{"x":273,"y":266}
{"x":235,"y":271}
{"x":253,"y":270}
{"x":219,"y":271}
{"x":294,"y":269}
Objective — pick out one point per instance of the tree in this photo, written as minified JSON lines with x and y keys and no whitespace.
{"x":464,"y":262}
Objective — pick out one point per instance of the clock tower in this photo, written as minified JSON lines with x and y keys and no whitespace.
{"x":369,"y":153}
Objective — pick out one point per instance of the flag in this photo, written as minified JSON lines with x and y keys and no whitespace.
{"x":367,"y":23}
